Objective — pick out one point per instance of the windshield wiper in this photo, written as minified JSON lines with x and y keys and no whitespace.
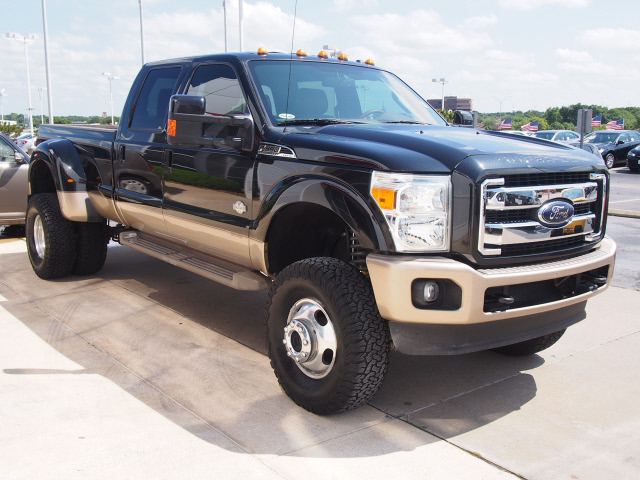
{"x":316,"y":121}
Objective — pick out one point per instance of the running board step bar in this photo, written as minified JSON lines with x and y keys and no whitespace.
{"x":202,"y":264}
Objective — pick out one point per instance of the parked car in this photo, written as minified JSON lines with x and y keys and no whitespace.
{"x":14,"y":187}
{"x":614,"y":145}
{"x":26,"y":141}
{"x":557,"y":135}
{"x":633,"y":159}
{"x":589,"y":147}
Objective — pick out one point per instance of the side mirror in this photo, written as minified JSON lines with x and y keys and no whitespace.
{"x":619,"y":142}
{"x":19,"y":158}
{"x":188,"y":122}
{"x":463,"y":118}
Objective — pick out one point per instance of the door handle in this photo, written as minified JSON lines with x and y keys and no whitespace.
{"x":121,"y":154}
{"x":167,"y":160}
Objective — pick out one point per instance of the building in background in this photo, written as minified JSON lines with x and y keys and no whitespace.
{"x":452,"y":103}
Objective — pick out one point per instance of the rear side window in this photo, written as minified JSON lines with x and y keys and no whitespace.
{"x":153,"y":102}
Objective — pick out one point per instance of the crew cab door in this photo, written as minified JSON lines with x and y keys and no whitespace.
{"x":140,"y":151}
{"x":207,"y":196}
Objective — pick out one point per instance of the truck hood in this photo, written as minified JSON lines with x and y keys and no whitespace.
{"x":419,"y":148}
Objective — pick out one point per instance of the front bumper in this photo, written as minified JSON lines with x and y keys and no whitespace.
{"x":392,"y":278}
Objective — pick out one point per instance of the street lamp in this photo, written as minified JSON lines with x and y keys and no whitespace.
{"x":110,"y":78}
{"x":443,"y":81}
{"x":226,"y":38}
{"x":501,"y":101}
{"x":40,"y":90}
{"x":26,"y":39}
{"x":2,"y":95}
{"x":141,"y":33}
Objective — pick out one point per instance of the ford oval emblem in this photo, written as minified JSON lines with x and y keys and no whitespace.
{"x":555,"y":214}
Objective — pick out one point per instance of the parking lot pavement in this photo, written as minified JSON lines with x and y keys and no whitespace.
{"x":145,"y":370}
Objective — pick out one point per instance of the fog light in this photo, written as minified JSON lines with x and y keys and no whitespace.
{"x":431,"y":291}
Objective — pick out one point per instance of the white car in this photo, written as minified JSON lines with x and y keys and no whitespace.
{"x":558,"y":135}
{"x":26,"y":141}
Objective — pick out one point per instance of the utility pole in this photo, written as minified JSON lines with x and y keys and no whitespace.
{"x":226,"y":37}
{"x":46,"y":62}
{"x":111,"y":78}
{"x":25,"y":39}
{"x":443,"y":81}
{"x":241,"y":6}
{"x":141,"y":32}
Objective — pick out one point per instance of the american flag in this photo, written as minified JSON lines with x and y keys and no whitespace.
{"x":616,"y":124}
{"x":531,"y":126}
{"x":505,"y":125}
{"x":596,"y":121}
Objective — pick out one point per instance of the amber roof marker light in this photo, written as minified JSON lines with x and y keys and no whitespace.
{"x":301,"y":53}
{"x":343,"y":57}
{"x":323,"y":54}
{"x":368,"y":61}
{"x":263,"y":52}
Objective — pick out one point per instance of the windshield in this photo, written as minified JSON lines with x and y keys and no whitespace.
{"x":601,"y":137}
{"x":325,"y":93}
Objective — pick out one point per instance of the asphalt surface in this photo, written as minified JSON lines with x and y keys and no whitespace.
{"x":147,"y":371}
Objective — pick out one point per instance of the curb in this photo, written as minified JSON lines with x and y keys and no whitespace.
{"x":624,"y":213}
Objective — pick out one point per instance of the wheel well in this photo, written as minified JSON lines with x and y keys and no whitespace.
{"x":306,"y":230}
{"x":41,"y":179}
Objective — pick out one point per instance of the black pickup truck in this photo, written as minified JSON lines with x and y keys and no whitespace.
{"x":374,"y":223}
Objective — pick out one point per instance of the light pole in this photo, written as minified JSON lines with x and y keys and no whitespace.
{"x":46,"y":61}
{"x":226,"y":38}
{"x":26,"y":39}
{"x":111,"y":78}
{"x":240,"y":15}
{"x":40,"y":89}
{"x":141,"y":33}
{"x":501,"y":101}
{"x":443,"y":81}
{"x":2,"y":95}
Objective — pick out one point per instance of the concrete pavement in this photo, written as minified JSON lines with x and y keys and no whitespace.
{"x":148,"y":371}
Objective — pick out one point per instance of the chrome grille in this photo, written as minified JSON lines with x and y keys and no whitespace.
{"x":510,"y":224}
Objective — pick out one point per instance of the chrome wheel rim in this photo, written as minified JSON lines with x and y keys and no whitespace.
{"x":38,"y":236}
{"x":310,"y":339}
{"x":609,"y":160}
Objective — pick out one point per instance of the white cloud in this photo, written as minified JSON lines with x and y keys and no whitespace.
{"x":532,"y":4}
{"x":480,"y":22}
{"x":343,"y":5}
{"x":428,"y":34}
{"x":611,"y":39}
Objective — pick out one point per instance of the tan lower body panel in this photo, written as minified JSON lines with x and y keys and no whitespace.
{"x":392,"y":276}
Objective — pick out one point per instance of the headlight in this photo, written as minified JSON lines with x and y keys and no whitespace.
{"x":601,"y":150}
{"x":416,"y":208}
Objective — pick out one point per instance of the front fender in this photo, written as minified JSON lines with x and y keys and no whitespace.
{"x":328,"y":192}
{"x":58,"y":165}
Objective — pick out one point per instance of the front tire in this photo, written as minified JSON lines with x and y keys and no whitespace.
{"x":51,"y":239}
{"x":327,"y":343}
{"x":529,"y":347}
{"x":609,"y":160}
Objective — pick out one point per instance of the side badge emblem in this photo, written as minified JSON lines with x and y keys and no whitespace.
{"x":240,"y":207}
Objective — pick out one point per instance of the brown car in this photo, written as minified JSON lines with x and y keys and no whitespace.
{"x":14,"y":166}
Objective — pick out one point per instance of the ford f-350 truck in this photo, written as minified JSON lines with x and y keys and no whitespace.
{"x":374,"y":223}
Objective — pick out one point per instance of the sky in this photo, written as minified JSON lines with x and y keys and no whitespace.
{"x":506,"y":55}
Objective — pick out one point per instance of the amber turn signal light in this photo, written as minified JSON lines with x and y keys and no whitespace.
{"x":171,"y":128}
{"x":384,"y":197}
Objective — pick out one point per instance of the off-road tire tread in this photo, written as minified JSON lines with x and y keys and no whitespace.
{"x":366,"y":336}
{"x":92,"y":247}
{"x":60,"y":237}
{"x":529,"y":347}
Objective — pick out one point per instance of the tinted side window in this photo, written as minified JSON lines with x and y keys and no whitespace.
{"x":220,"y":87}
{"x":153,"y":102}
{"x":6,"y":152}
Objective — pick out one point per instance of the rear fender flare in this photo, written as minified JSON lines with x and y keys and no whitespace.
{"x":68,"y":168}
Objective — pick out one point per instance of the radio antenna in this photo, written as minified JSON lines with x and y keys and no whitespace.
{"x":293,"y":35}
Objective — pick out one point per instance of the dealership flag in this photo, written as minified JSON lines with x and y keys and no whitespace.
{"x":616,"y":125}
{"x":530,"y":127}
{"x":506,"y":125}
{"x":596,"y":121}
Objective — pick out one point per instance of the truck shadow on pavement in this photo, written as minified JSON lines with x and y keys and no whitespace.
{"x":151,"y":329}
